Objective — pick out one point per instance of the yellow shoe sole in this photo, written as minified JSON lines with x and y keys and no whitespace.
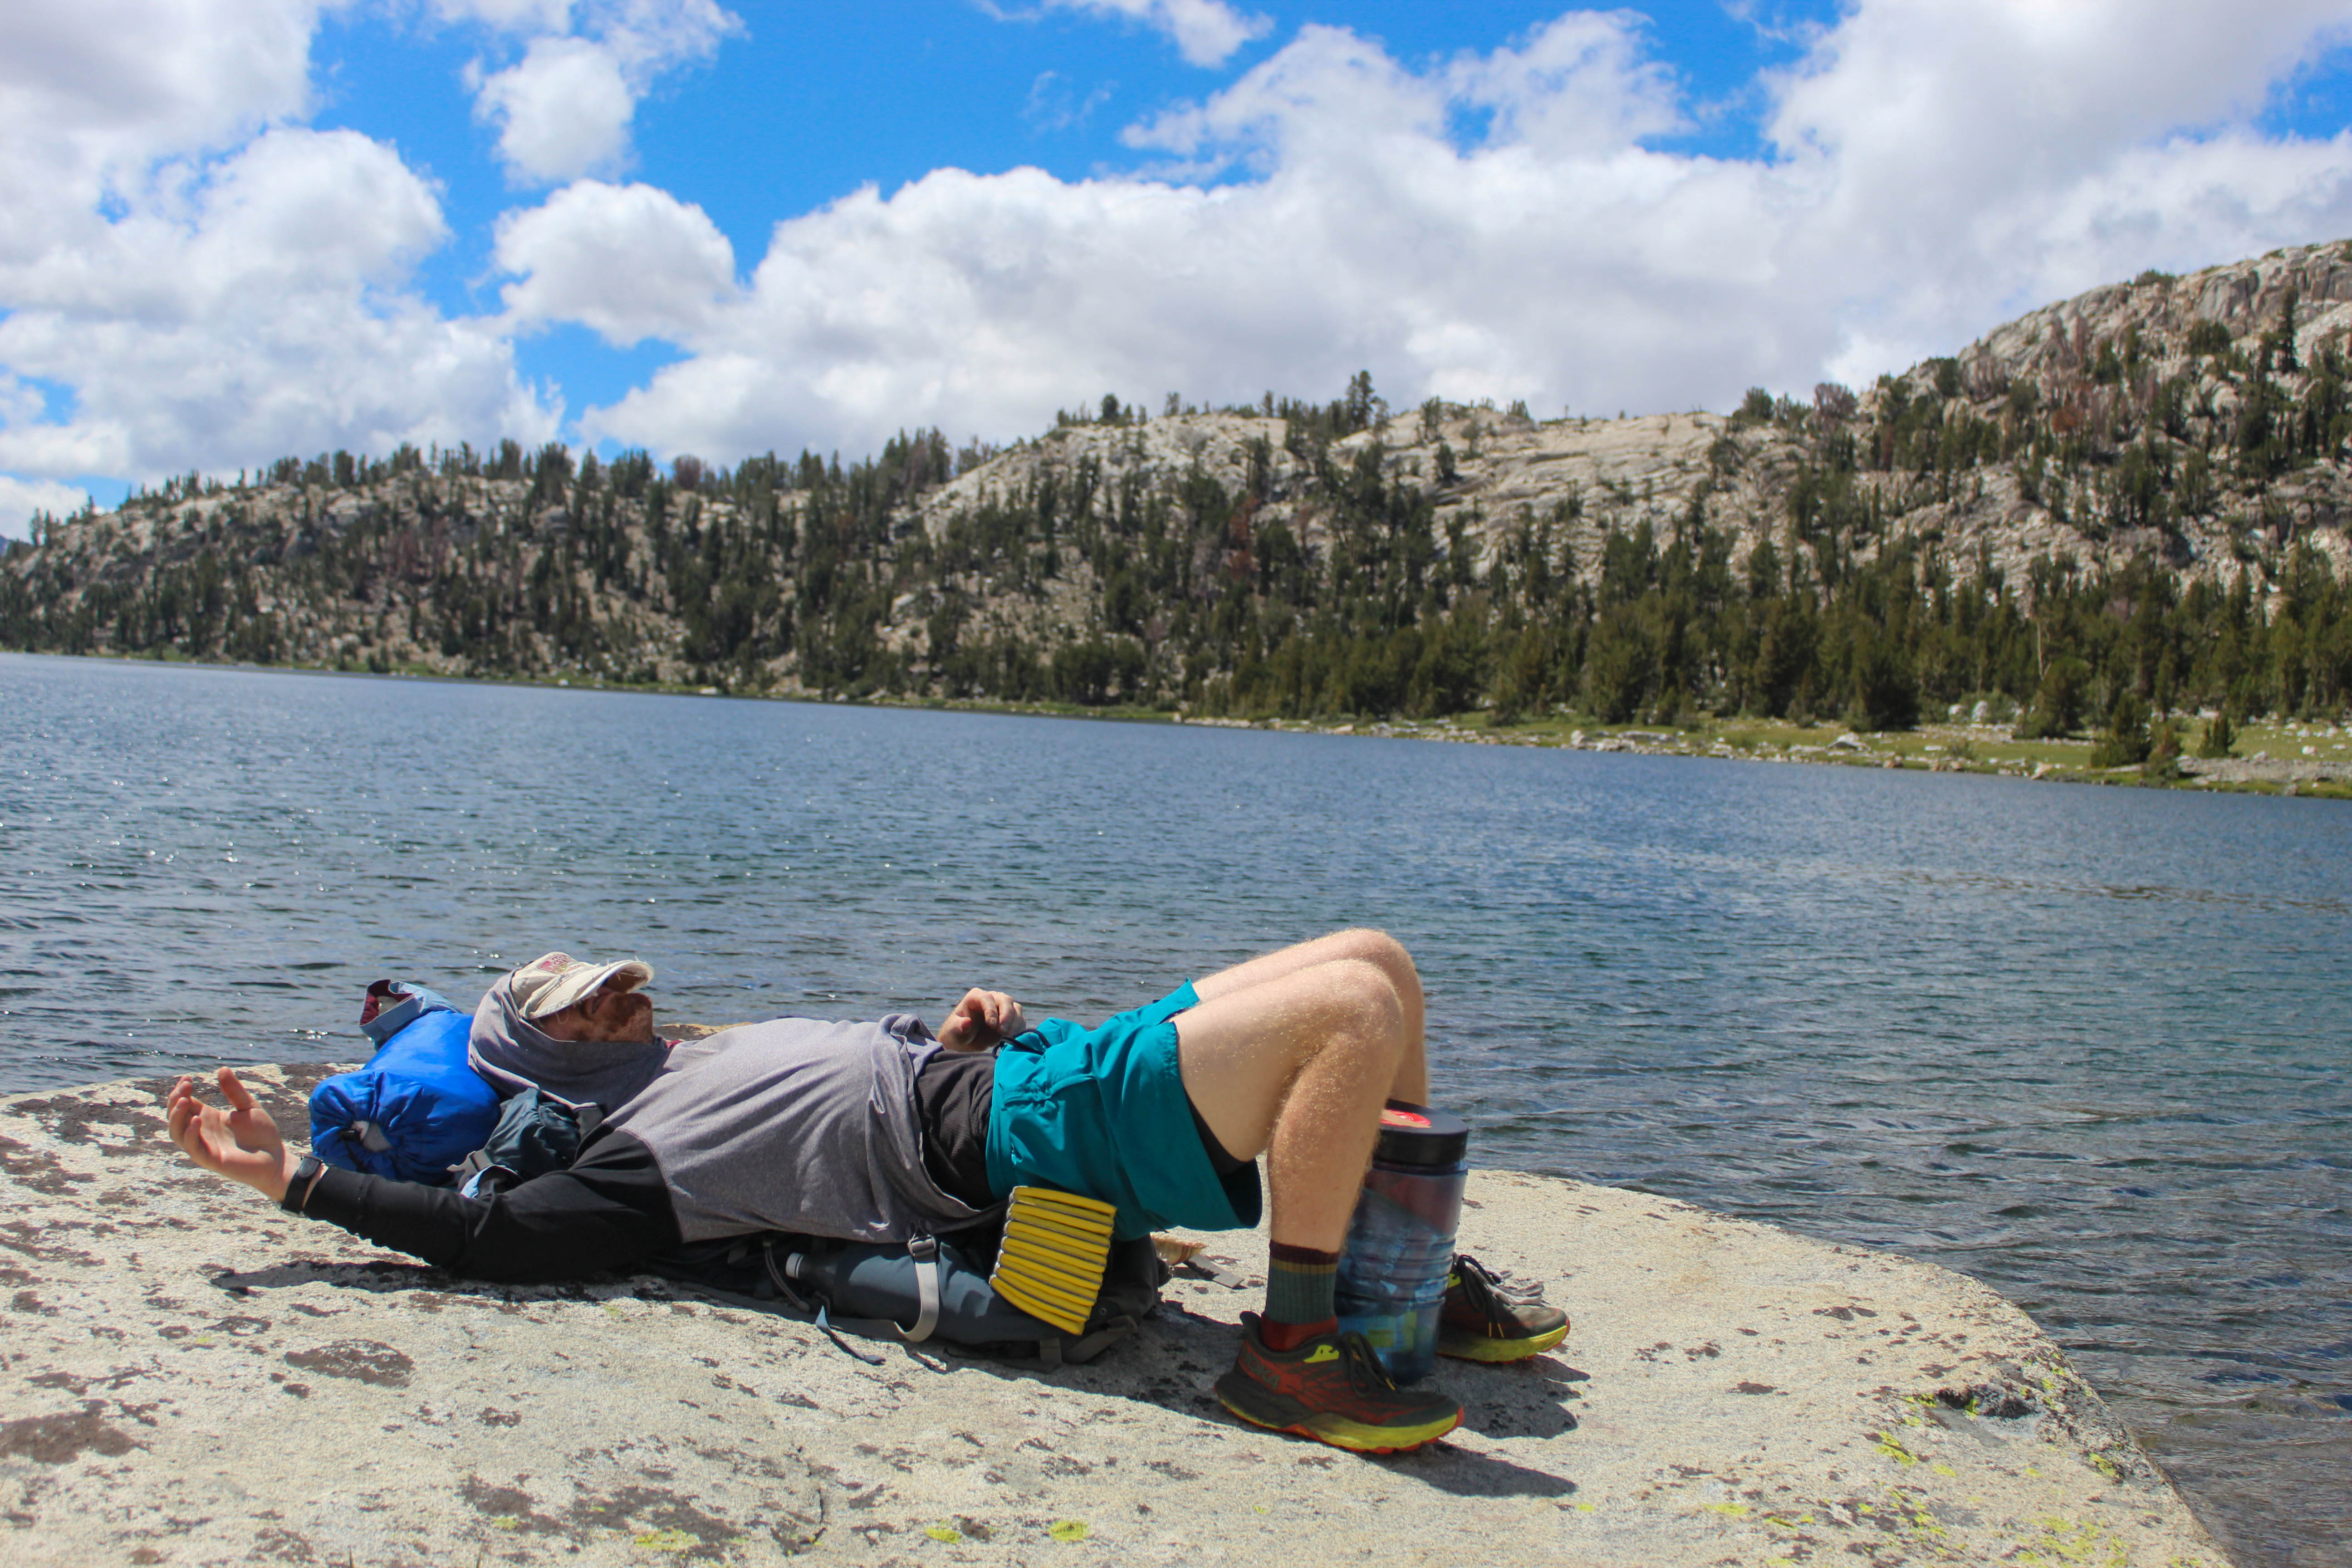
{"x":1477,"y":1347}
{"x":1355,"y":1436}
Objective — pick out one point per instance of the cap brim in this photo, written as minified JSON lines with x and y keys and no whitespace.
{"x":584,"y":982}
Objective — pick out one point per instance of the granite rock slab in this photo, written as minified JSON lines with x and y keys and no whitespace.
{"x":189,"y":1376}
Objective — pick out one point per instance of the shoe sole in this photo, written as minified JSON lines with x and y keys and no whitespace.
{"x":1477,"y":1347}
{"x":1276,"y":1414}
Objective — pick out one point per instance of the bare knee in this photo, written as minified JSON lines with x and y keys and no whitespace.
{"x":1367,"y":1009}
{"x":1383,"y":951}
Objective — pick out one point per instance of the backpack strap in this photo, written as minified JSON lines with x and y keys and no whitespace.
{"x":925,"y":1251}
{"x":1087,"y":1347}
{"x":817,"y":1315}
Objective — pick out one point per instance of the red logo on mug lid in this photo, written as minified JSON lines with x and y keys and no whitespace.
{"x":1403,"y":1118}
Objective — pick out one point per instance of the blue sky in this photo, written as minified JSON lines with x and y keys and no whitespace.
{"x":239,"y":229}
{"x":803,"y":108}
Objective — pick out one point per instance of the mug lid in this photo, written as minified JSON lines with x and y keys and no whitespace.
{"x":1419,"y":1135}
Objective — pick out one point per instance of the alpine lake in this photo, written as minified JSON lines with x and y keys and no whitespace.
{"x":2088,"y":1046}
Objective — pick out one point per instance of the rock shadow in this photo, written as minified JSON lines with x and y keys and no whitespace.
{"x":431,"y":1286}
{"x":1169,"y":1362}
{"x":1459,"y":1472}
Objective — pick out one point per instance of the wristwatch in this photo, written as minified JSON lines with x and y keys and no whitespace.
{"x":307,"y":1171}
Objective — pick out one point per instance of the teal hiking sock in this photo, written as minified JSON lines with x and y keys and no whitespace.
{"x":1300,"y":1286}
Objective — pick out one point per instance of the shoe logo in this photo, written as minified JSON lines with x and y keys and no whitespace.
{"x":1321,"y":1352}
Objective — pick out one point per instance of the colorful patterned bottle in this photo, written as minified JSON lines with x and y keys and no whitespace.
{"x":1400,"y":1240}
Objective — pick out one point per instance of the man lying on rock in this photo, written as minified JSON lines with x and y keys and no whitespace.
{"x":880,"y":1131}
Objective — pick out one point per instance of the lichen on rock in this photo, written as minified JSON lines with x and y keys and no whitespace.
{"x":207,"y":1379}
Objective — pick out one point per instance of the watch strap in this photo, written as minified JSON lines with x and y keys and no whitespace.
{"x":307,"y":1171}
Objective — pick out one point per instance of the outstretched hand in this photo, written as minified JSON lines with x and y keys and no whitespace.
{"x":241,"y":1142}
{"x":983,"y":1018}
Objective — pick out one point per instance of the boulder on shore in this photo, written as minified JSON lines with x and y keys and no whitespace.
{"x":191,"y":1376}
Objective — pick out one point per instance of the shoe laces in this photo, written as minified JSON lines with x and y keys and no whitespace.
{"x":1365,"y":1374}
{"x":1486,"y":1289}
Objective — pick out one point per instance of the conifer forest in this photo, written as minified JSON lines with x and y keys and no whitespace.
{"x":2125,"y":507}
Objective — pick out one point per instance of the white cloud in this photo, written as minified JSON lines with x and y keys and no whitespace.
{"x":1206,"y":32}
{"x":1553,"y":258}
{"x":565,"y":107}
{"x":563,"y":110}
{"x":527,"y":16}
{"x":244,"y":309}
{"x":191,"y":276}
{"x":92,"y":93}
{"x":1502,"y":225}
{"x":1967,"y":156}
{"x":1053,"y":106}
{"x":628,"y":261}
{"x":20,"y":499}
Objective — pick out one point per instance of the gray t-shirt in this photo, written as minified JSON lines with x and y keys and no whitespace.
{"x":796,"y":1124}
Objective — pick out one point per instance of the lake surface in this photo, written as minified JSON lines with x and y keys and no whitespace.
{"x":2086,"y":1044}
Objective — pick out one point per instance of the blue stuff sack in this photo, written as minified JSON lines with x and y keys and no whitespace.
{"x":416,"y":1108}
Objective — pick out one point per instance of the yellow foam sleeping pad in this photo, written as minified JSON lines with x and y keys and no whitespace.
{"x":1051,"y":1262}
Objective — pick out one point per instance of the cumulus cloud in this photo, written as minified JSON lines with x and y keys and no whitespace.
{"x":1514,"y":223}
{"x":628,"y":261}
{"x":20,"y":499}
{"x":255,"y":305}
{"x":565,"y":107}
{"x":92,"y":94}
{"x":1206,"y":32}
{"x":1967,"y":156}
{"x":190,"y":276}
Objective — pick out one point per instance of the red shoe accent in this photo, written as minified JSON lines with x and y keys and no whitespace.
{"x":1283,"y":1337}
{"x":1333,"y":1388}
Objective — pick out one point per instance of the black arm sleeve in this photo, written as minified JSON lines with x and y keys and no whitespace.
{"x":609,"y":1210}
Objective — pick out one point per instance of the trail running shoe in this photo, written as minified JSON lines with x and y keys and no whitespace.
{"x":1334,"y":1390}
{"x":1487,"y":1318}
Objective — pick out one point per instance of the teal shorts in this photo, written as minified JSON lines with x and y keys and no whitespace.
{"x":1103,"y":1112}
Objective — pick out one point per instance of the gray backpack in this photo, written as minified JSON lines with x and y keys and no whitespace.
{"x":926,"y":1290}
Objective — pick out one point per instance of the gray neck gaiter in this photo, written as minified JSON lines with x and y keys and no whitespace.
{"x":512,"y":1054}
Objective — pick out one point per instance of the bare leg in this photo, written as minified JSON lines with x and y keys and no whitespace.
{"x":1374,"y":947}
{"x":1292,"y":1054}
{"x":1297,"y":1066}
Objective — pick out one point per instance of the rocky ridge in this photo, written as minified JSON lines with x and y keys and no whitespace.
{"x":2127,"y":423}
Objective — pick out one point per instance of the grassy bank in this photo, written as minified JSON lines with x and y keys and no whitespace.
{"x":1944,"y":747}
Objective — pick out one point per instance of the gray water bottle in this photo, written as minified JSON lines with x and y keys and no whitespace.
{"x":1400,"y":1245}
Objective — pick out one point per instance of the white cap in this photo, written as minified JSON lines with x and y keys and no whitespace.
{"x":551,"y":984}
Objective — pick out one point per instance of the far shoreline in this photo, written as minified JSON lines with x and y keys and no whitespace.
{"x":2317,"y":762}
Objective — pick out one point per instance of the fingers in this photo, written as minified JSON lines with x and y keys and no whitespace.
{"x":983,"y":1018}
{"x":182,"y":1112}
{"x":206,"y":1134}
{"x":993,"y":1008}
{"x":192,"y":1132}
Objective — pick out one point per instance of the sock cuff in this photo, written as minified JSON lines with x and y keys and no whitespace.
{"x":1303,"y":1260}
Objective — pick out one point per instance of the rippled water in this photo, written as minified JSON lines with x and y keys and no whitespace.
{"x":2086,"y":1044}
